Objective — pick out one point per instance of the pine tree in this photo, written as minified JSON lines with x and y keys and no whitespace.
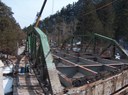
{"x":106,"y":16}
{"x":121,"y":19}
{"x":9,"y":30}
{"x":88,"y":19}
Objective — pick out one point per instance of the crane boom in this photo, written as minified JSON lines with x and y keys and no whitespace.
{"x":39,"y":15}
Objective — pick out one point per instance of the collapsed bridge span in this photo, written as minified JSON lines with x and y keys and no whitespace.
{"x":68,"y":73}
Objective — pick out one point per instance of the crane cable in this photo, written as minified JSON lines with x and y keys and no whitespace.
{"x":39,"y":15}
{"x":100,"y":7}
{"x":52,"y":6}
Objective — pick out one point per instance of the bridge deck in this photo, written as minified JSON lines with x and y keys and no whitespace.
{"x":27,"y":85}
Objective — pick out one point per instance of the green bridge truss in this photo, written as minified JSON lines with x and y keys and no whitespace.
{"x":42,"y":62}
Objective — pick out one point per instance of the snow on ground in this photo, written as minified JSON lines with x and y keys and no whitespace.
{"x":21,"y":50}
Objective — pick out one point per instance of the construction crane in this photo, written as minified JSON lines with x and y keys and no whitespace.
{"x":40,"y":13}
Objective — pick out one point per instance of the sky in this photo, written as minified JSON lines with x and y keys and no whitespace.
{"x":25,"y":10}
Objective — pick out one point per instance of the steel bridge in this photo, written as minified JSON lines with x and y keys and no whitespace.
{"x":64,"y":72}
{"x":89,"y":71}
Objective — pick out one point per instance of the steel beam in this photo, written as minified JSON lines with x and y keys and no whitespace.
{"x":67,"y":61}
{"x":51,"y":69}
{"x":113,"y":41}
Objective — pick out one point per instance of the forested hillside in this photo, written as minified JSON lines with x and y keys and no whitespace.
{"x":106,"y":17}
{"x":10,"y":31}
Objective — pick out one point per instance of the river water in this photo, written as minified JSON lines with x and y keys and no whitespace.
{"x":8,"y":79}
{"x":7,"y":85}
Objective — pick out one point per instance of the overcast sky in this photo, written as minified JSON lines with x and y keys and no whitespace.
{"x":25,"y":10}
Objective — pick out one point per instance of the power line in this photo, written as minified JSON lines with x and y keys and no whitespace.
{"x":101,"y":7}
{"x":52,"y":6}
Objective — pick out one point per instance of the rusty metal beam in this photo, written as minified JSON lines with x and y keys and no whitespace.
{"x":92,"y":65}
{"x":122,"y":91}
{"x":82,"y":60}
{"x":107,"y":61}
{"x":111,"y":66}
{"x":67,"y":61}
{"x":64,"y":80}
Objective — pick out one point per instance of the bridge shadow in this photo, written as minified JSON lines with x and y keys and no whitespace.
{"x":27,"y":87}
{"x":32,"y":89}
{"x":26,"y":84}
